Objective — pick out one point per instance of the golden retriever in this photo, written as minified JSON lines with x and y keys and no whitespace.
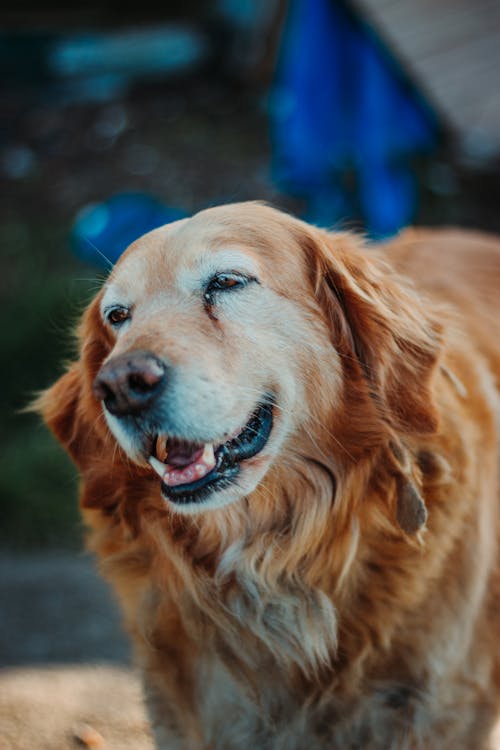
{"x":288,"y":447}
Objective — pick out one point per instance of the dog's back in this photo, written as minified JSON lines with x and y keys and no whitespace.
{"x":460,"y":268}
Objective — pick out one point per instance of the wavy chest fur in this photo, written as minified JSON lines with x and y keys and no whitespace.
{"x":264,"y":649}
{"x":262,"y":674}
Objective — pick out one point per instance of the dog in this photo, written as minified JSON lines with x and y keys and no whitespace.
{"x":288,"y":449}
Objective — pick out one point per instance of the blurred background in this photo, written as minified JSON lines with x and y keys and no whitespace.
{"x":364,"y":114}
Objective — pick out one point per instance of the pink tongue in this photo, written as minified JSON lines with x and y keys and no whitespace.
{"x":188,"y":474}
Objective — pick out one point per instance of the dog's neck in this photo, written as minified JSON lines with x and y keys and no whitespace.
{"x":282,"y":564}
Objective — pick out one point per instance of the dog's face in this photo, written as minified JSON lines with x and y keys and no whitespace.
{"x":211,"y":347}
{"x":227,"y":342}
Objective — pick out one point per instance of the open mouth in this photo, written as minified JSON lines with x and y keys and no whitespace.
{"x":189,"y":472}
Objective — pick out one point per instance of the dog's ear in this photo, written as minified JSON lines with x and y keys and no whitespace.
{"x":68,"y":407}
{"x":379,"y":326}
{"x":59,"y":406}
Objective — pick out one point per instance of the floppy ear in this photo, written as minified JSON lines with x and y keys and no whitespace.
{"x":380,"y":328}
{"x":59,"y":406}
{"x":68,"y":407}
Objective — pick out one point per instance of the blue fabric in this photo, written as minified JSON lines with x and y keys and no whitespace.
{"x":102,"y":231}
{"x":344,"y":125}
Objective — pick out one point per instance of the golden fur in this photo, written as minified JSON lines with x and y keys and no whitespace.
{"x":351,"y":598}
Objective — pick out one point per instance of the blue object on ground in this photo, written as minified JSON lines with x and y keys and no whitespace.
{"x":345,"y":123}
{"x":102,"y":231}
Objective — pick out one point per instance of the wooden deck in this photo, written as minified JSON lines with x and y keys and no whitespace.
{"x":451,"y":50}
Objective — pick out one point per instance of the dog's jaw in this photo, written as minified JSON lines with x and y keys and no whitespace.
{"x":199,"y":476}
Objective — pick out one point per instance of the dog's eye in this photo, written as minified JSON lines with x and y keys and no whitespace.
{"x":117,"y":315}
{"x":225,"y":282}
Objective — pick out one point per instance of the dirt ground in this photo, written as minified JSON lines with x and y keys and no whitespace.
{"x":66,"y":707}
{"x":66,"y":679}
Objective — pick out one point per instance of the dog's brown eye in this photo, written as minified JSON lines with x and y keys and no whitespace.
{"x":225,"y":282}
{"x":117,"y":315}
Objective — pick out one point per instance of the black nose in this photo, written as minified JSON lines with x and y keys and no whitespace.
{"x":130,"y":383}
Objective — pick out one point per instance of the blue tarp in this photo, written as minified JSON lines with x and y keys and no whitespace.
{"x":345,"y":125}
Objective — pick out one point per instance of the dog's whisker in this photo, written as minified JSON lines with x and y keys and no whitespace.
{"x":94,"y":246}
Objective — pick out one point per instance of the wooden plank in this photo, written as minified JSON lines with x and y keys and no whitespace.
{"x":451,"y":50}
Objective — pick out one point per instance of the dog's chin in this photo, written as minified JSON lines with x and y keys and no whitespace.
{"x":195,"y":477}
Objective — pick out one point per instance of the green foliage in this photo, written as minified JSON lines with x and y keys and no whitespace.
{"x":42,"y":293}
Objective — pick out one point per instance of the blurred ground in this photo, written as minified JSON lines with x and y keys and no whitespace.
{"x":56,"y":609}
{"x":63,"y":708}
{"x":66,"y":680}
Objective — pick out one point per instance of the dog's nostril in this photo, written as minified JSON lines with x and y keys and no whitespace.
{"x":144,"y":377}
{"x":139,"y":384}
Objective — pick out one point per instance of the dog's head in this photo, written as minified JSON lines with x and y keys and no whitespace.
{"x":225,"y":343}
